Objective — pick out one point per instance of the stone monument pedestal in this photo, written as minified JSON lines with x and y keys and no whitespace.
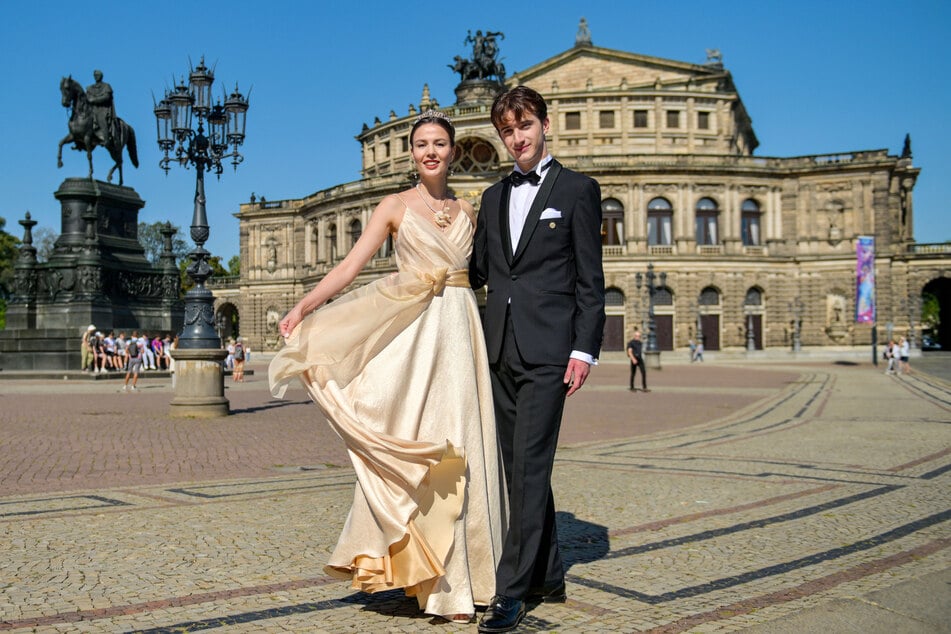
{"x":652,"y":359}
{"x":473,"y":92}
{"x":97,"y":275}
{"x":199,"y":383}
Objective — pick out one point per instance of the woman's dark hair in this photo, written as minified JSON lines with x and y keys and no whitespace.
{"x":520,"y":101}
{"x":440,"y":119}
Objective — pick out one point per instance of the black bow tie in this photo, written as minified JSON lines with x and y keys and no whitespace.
{"x":532,"y":177}
{"x":518,"y":178}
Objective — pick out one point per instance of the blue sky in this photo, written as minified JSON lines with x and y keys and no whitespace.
{"x":816,"y":77}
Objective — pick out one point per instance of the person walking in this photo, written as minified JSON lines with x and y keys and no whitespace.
{"x":891,"y":354}
{"x":537,"y":248}
{"x":87,"y":354}
{"x":904,"y":351}
{"x":635,"y":349}
{"x":237,"y":373}
{"x":133,"y":358}
{"x":229,"y":358}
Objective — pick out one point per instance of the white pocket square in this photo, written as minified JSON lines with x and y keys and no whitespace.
{"x":550,"y":213}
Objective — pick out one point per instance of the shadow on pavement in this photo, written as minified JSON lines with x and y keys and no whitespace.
{"x":267,"y":406}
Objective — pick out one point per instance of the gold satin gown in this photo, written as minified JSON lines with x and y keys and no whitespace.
{"x":399,"y":368}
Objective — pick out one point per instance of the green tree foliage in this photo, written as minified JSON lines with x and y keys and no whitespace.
{"x":9,"y":246}
{"x":234,"y":266}
{"x":44,"y":239}
{"x":150,"y":235}
{"x":930,"y":311}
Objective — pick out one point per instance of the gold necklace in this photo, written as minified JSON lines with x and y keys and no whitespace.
{"x":441,"y":218}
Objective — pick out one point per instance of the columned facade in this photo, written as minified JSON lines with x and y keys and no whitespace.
{"x":748,"y":243}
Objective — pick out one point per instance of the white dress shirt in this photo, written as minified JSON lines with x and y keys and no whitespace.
{"x":521,"y":199}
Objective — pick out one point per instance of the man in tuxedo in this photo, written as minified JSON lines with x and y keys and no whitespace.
{"x":537,"y":247}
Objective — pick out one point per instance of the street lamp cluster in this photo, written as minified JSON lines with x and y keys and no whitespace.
{"x":226,"y":124}
{"x":648,"y":281}
{"x":797,"y":308}
{"x":185,"y":145}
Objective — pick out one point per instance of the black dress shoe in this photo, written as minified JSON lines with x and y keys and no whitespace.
{"x":504,"y":614}
{"x":543,"y":595}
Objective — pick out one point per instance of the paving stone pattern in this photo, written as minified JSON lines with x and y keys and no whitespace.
{"x":769,"y":497}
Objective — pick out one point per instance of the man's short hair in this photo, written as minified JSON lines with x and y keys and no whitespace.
{"x":520,"y":101}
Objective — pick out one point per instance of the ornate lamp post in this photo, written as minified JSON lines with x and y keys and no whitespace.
{"x":699,"y":322}
{"x":217,"y":134}
{"x":796,"y":307}
{"x":648,"y":281}
{"x":225,"y":134}
{"x":750,"y":335}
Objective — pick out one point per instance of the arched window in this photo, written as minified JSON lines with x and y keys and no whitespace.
{"x":707,"y":214}
{"x":474,"y":156}
{"x":612,"y":222}
{"x":663,"y":296}
{"x":750,"y":220}
{"x":314,"y":242}
{"x":709,"y":297}
{"x":332,"y":242}
{"x":660,"y":215}
{"x":613,"y":297}
{"x":754,"y":297}
{"x":356,"y":230}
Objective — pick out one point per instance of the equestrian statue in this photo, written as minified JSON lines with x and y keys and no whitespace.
{"x":93,"y":122}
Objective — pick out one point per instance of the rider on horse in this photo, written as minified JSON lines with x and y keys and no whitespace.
{"x":93,"y":122}
{"x":99,"y":96}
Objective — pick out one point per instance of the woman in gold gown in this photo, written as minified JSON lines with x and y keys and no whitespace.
{"x":399,"y":369}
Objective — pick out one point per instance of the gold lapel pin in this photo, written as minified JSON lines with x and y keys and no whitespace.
{"x":551,"y":225}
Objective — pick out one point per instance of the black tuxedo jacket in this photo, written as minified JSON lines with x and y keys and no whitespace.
{"x":553,"y":284}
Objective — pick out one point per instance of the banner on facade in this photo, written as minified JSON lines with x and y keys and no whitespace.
{"x":865,"y":280}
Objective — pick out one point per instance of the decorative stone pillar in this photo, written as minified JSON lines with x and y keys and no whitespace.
{"x":199,"y":384}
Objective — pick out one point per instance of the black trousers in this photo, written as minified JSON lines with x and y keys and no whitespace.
{"x":643,"y":368}
{"x":529,"y":401}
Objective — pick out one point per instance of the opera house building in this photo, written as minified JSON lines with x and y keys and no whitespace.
{"x":702,"y":238}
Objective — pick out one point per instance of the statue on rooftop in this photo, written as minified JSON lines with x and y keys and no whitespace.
{"x":484,"y":63}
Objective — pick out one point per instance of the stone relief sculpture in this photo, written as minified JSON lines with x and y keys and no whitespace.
{"x":838,"y":325}
{"x":272,"y":319}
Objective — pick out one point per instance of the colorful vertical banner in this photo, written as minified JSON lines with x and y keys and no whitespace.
{"x":865,"y":280}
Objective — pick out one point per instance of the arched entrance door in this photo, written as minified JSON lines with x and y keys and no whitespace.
{"x":936,"y":312}
{"x":710,"y":318}
{"x":614,"y":320}
{"x":227,"y":322}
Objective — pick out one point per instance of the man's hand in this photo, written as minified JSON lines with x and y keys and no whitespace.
{"x":575,"y":375}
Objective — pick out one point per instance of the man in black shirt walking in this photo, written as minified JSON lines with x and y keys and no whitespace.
{"x":635,"y":351}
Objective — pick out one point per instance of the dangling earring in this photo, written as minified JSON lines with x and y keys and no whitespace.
{"x":452,"y":172}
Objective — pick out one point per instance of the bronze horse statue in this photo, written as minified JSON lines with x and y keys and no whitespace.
{"x":84,"y":138}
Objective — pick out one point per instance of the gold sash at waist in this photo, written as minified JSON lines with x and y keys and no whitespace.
{"x":441,"y":278}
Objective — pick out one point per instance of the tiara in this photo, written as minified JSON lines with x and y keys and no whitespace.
{"x":434,"y":114}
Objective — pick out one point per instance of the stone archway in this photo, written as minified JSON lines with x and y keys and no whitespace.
{"x":227,"y":321}
{"x":940,"y":289}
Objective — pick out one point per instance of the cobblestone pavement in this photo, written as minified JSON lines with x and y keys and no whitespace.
{"x":768,"y":497}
